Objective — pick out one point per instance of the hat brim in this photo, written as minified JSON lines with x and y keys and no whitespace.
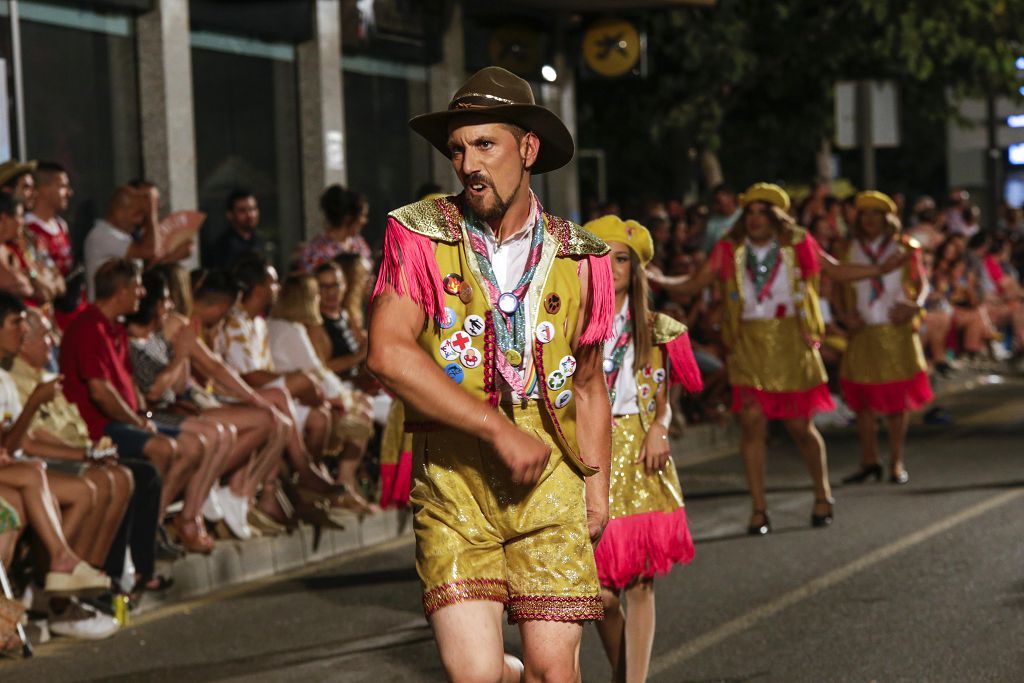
{"x":556,"y":144}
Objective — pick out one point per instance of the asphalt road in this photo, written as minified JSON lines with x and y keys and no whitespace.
{"x":917,"y":583}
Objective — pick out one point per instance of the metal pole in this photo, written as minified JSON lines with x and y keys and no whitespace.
{"x":992,"y":194}
{"x":19,"y":83}
{"x":865,"y":134}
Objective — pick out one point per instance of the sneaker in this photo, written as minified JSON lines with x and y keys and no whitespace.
{"x":213,"y":508}
{"x":236,"y":513}
{"x":83,"y":623}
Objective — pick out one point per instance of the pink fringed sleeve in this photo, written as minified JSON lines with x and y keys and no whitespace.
{"x":722,"y":260}
{"x":807,"y":256}
{"x":408,"y":268}
{"x":601,"y":291}
{"x":682,"y":364}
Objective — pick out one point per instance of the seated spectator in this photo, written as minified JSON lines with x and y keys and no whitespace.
{"x":31,"y":255}
{"x":357,"y":291}
{"x":13,"y":279}
{"x":25,"y":484}
{"x":113,"y":237}
{"x":336,"y":342}
{"x":345,"y":213}
{"x":57,"y":433}
{"x":1001,"y":289}
{"x":52,"y":194}
{"x":242,"y":236}
{"x":244,"y":345}
{"x":297,"y":311}
{"x":246,"y":440}
{"x":166,"y":252}
{"x":22,"y":272}
{"x":90,"y":504}
{"x":94,"y":359}
{"x":959,"y":286}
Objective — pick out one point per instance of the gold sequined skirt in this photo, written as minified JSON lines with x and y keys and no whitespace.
{"x":480,"y":536}
{"x":772,"y":355}
{"x":883,"y":353}
{"x":632,"y":491}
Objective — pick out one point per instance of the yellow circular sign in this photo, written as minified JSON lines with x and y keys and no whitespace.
{"x":611,"y":47}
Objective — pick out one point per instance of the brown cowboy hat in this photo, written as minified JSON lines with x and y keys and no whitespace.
{"x":12,"y":168}
{"x":496,"y":95}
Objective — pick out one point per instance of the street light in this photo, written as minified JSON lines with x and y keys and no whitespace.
{"x":549,"y":74}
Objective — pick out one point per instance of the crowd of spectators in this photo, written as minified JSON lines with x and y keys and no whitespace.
{"x":974,"y":308}
{"x":150,"y":409}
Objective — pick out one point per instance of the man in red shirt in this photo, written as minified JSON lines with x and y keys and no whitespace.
{"x":52,"y":194}
{"x":98,"y":379}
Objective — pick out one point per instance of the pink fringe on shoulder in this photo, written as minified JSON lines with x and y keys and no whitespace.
{"x":642,"y":545}
{"x":602,"y":301}
{"x":396,"y":482}
{"x":807,"y":256}
{"x":682,"y":364}
{"x":408,"y":268}
{"x":722,"y":260}
{"x":888,"y":398}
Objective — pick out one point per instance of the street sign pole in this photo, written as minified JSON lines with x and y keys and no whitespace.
{"x":865,"y":133}
{"x":992,"y":158}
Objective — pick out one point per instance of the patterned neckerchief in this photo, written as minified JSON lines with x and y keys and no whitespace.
{"x":762,"y":272}
{"x":509,"y":328}
{"x":614,"y":362}
{"x":874,"y":256}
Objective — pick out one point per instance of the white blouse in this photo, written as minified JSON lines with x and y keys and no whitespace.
{"x":625,"y":384}
{"x":292,"y":351}
{"x":877,"y":312}
{"x":779,"y":302}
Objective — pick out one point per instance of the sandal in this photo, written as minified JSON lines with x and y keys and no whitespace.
{"x":82,"y":580}
{"x":192,"y":535}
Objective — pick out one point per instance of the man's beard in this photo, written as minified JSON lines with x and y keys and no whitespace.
{"x":497,"y":210}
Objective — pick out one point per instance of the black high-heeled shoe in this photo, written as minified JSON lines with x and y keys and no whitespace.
{"x":899,"y":479}
{"x":825,"y":519}
{"x":864,"y":473}
{"x":762,"y":529}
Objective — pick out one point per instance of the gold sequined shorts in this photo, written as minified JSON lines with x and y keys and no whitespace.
{"x":479,"y":536}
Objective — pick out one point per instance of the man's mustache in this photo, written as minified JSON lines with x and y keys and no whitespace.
{"x":479,"y":178}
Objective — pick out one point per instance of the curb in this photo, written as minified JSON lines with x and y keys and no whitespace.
{"x":235,"y":562}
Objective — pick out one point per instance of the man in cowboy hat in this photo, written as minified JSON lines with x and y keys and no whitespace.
{"x":488,"y":320}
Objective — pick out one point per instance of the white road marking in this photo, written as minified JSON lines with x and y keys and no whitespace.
{"x":745,"y":621}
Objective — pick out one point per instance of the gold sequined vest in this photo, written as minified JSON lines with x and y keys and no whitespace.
{"x":652,"y":378}
{"x":804,"y":286}
{"x":457,"y":344}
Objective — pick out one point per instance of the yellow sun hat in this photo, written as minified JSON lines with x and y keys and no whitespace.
{"x":632,"y":234}
{"x":765,"y":192}
{"x":873,"y":199}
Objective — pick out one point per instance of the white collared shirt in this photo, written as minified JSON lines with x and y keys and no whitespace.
{"x":508,"y":261}
{"x":779,"y":302}
{"x":877,"y":312}
{"x":625,"y":384}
